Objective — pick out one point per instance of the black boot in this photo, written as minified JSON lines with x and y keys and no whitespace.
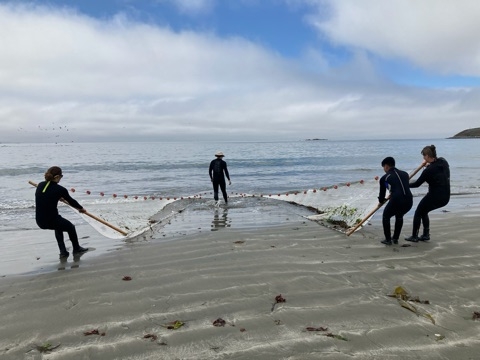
{"x":414,"y":237}
{"x":425,"y":236}
{"x":80,"y":250}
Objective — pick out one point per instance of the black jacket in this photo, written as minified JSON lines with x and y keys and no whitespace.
{"x":437,"y":175}
{"x":396,"y":181}
{"x":216,"y":170}
{"x":47,"y":195}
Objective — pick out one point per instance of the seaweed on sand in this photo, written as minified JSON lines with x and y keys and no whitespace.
{"x":46,"y":348}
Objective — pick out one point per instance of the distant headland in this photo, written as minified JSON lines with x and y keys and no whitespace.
{"x":315,"y":139}
{"x":473,"y":133}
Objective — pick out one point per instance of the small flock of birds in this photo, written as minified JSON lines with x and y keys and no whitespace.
{"x":53,"y":128}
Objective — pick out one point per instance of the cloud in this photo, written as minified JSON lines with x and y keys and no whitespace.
{"x":436,"y":35}
{"x":69,"y":77}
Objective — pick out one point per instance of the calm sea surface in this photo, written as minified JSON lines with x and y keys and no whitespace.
{"x":180,"y":169}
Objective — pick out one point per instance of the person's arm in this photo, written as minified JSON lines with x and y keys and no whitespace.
{"x":210,"y":171}
{"x":420,"y":180}
{"x":226,"y":173}
{"x":71,"y":201}
{"x":383,"y":191}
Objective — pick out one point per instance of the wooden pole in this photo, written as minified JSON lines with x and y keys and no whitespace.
{"x":371,"y":213}
{"x":91,"y":215}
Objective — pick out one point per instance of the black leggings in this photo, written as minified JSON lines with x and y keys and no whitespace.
{"x":397,"y":209}
{"x":429,"y":202}
{"x":223,"y":188}
{"x":60,"y":226}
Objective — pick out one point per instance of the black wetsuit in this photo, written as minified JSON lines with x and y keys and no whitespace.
{"x":217,"y":169}
{"x":47,"y":195}
{"x":437,"y":175}
{"x":401,"y":200}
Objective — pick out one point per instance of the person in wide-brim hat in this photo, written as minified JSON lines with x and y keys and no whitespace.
{"x":217,"y":171}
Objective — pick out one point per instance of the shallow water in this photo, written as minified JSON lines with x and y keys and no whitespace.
{"x":99,"y":171}
{"x":35,"y":250}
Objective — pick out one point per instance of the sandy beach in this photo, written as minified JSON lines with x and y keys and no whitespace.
{"x":293,"y":291}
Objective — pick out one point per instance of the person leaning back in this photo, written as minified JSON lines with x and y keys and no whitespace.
{"x":400,"y":200}
{"x":437,"y":176}
{"x":47,"y":195}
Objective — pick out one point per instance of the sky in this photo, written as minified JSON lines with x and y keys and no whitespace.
{"x":238,"y":70}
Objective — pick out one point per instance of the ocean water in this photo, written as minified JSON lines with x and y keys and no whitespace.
{"x":108,"y":177}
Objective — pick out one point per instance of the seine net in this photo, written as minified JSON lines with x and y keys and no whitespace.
{"x":345,"y":207}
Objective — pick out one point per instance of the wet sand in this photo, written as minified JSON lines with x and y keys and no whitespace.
{"x":335,"y":290}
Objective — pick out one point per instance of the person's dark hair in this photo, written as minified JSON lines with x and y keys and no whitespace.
{"x":52,"y":172}
{"x":390,"y":161}
{"x":430,"y":151}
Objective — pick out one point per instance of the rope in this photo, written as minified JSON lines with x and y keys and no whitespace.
{"x":199,"y":196}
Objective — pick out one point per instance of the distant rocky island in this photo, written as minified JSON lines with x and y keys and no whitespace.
{"x":315,"y":139}
{"x":473,"y":133}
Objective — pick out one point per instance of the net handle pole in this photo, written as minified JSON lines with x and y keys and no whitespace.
{"x":91,"y":215}
{"x":371,"y":213}
{"x":368,"y":216}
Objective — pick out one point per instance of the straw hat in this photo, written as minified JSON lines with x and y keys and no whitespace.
{"x":219,"y":154}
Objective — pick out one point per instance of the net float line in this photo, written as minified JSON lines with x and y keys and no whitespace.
{"x":320,"y":199}
{"x":234,"y":194}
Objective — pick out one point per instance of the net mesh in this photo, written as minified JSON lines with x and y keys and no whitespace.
{"x":344,"y":207}
{"x":338,"y":206}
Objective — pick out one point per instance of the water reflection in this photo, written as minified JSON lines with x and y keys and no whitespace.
{"x":220,"y":219}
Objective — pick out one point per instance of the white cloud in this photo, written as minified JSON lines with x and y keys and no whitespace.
{"x":438,"y":35}
{"x":63,"y":74}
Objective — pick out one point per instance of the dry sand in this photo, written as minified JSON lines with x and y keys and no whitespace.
{"x":327,"y":279}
